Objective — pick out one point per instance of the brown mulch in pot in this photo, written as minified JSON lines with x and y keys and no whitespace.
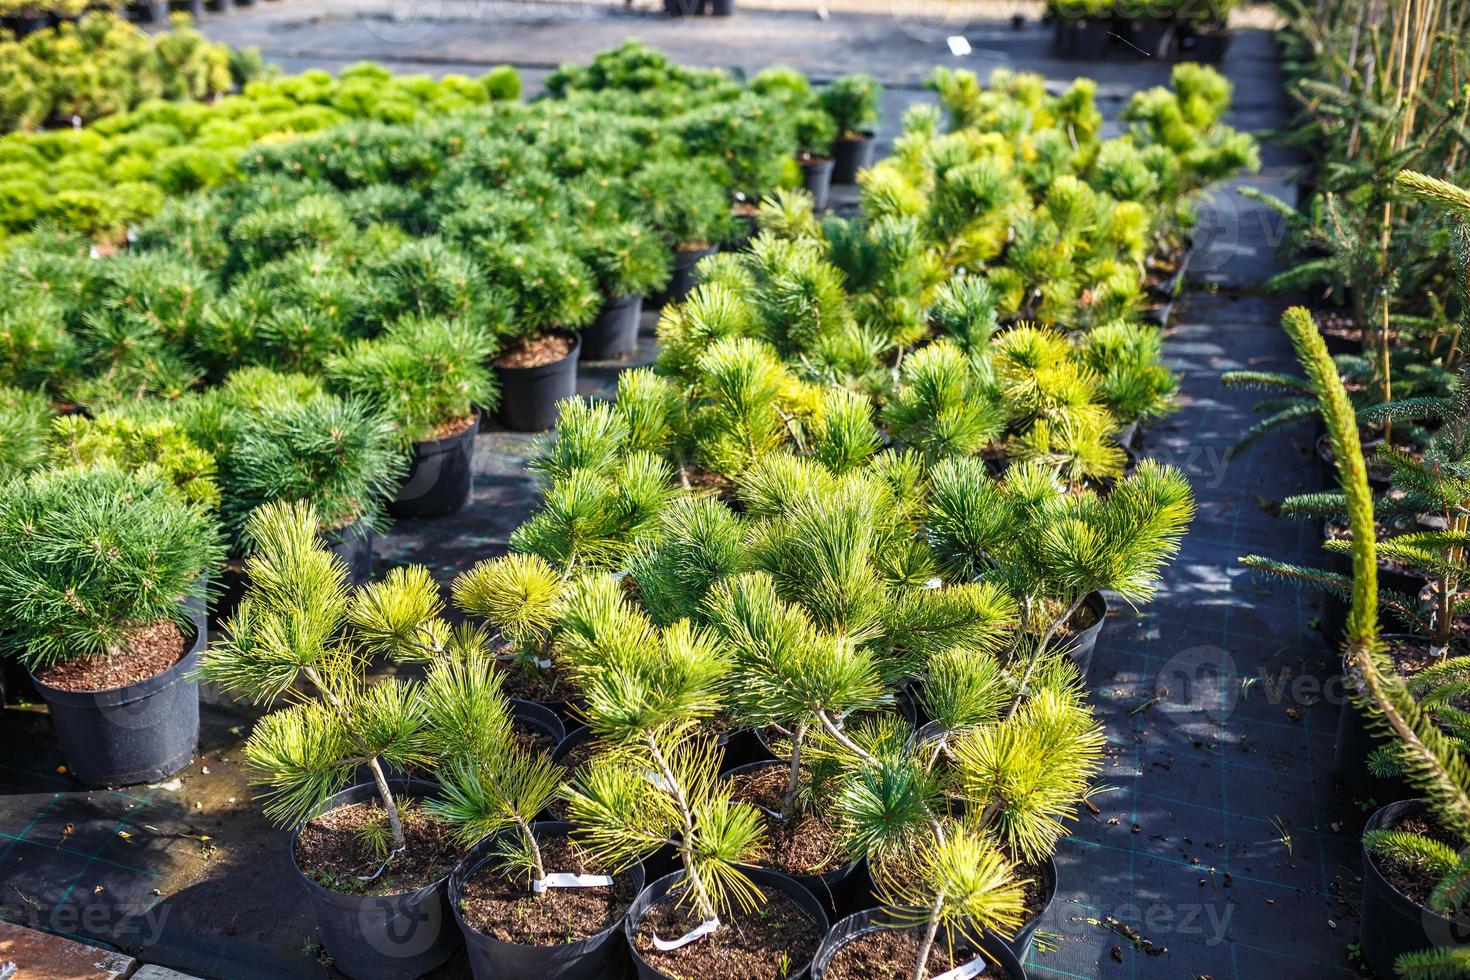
{"x":546,"y":348}
{"x":771,"y":943}
{"x":151,"y":650}
{"x":505,"y":908}
{"x":889,"y":954}
{"x":453,"y":427}
{"x":807,"y":844}
{"x":331,"y":852}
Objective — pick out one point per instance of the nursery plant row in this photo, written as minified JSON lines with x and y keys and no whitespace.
{"x":816,"y":593}
{"x":1379,"y":250}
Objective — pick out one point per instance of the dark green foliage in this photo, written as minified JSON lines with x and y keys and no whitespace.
{"x":852,"y":103}
{"x":626,"y":258}
{"x":88,"y":555}
{"x":25,"y":418}
{"x":681,"y":202}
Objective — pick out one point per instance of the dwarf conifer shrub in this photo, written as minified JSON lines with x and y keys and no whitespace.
{"x":421,"y":374}
{"x":26,"y":419}
{"x":851,"y":102}
{"x":159,"y":448}
{"x":626,"y":258}
{"x":88,"y":555}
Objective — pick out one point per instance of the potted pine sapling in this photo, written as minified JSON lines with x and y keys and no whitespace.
{"x":688,"y":209}
{"x":1055,"y":551}
{"x":102,"y":574}
{"x":371,"y":856}
{"x":547,"y":294}
{"x":789,"y":674}
{"x":529,"y":901}
{"x":656,"y":785}
{"x":281,"y":437}
{"x":852,"y":103}
{"x":813,"y":127}
{"x":431,"y":378}
{"x":25,"y":417}
{"x":630,"y":262}
{"x":1414,"y":897}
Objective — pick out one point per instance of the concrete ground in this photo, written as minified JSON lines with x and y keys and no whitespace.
{"x":1219,"y":847}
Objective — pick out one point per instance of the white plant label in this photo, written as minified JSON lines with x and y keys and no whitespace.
{"x":658,"y":780}
{"x":565,"y":879}
{"x":543,"y":664}
{"x":971,"y":969}
{"x":703,"y":929}
{"x":959,"y":46}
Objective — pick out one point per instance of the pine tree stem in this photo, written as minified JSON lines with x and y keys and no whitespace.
{"x":841,"y":739}
{"x":536,"y":859}
{"x":793,"y":779}
{"x":391,"y":806}
{"x":686,"y":848}
{"x":926,"y":945}
{"x":1040,"y":651}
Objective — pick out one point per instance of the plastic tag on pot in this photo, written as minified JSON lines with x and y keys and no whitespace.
{"x":566,"y":879}
{"x":543,"y":663}
{"x":964,"y":972}
{"x":698,"y":932}
{"x":959,"y":45}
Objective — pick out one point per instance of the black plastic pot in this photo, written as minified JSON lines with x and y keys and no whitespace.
{"x":721,"y":8}
{"x":222,"y":6}
{"x":766,"y":881}
{"x":1207,"y":46}
{"x":851,"y":155}
{"x":539,"y":717}
{"x":1153,"y":38}
{"x":383,"y":937}
{"x":615,"y":331}
{"x":194,"y":8}
{"x":1020,"y":943}
{"x":139,"y":733}
{"x":840,"y":888}
{"x":1392,"y":923}
{"x":1093,"y":37}
{"x":816,"y":177}
{"x":440,"y":476}
{"x":1083,"y":644}
{"x":604,"y":954}
{"x":682,"y":279}
{"x":1357,"y":738}
{"x":25,"y":24}
{"x":529,"y":396}
{"x":1002,"y":962}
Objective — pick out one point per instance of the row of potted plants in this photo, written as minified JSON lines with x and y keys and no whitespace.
{"x":1193,"y":29}
{"x":102,"y":178}
{"x":101,"y":64}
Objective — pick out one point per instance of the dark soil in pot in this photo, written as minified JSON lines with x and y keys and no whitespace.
{"x":132,"y":718}
{"x":534,"y":377}
{"x":816,"y":177}
{"x":851,"y":154}
{"x":805,"y":847}
{"x":440,"y":471}
{"x":537,"y":725}
{"x":547,"y":687}
{"x":1395,"y":919}
{"x":681,"y":280}
{"x":399,"y":924}
{"x":562,"y":934}
{"x":774,"y":943}
{"x":867,"y":946}
{"x":614,"y":334}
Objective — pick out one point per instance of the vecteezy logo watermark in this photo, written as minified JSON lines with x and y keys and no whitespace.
{"x":1202,"y":678}
{"x":400,"y":21}
{"x":398,"y":927}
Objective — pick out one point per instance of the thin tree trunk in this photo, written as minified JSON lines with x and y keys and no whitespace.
{"x":394,"y":824}
{"x":921,"y":962}
{"x":793,"y":779}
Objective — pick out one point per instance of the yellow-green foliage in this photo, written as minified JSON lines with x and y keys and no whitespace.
{"x":103,"y":177}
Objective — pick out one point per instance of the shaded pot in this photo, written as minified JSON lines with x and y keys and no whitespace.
{"x":138,"y":733}
{"x":529,"y":396}
{"x":603,"y":954}
{"x":1357,"y":738}
{"x":615,"y":331}
{"x":681,"y":279}
{"x":539,"y":717}
{"x":27,"y":24}
{"x":1393,"y":923}
{"x":1084,"y":643}
{"x":1205,"y":45}
{"x":816,"y":177}
{"x":1092,"y":39}
{"x":194,"y":8}
{"x":1001,"y":961}
{"x":382,"y":937}
{"x":1020,"y":943}
{"x":440,"y":476}
{"x":851,"y":155}
{"x":766,"y":881}
{"x":1153,"y":38}
{"x":843,"y":887}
